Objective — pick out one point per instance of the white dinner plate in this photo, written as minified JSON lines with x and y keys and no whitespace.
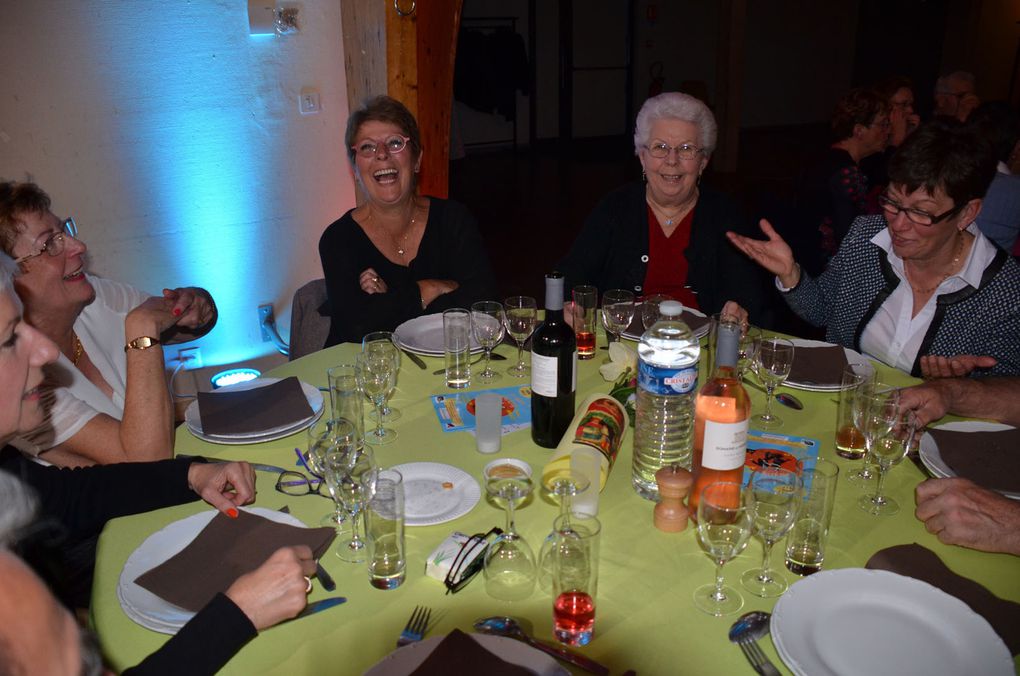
{"x":631,"y":335}
{"x":436,"y":493}
{"x":405,"y":660}
{"x":193,"y":419}
{"x":140,"y":604}
{"x":852,"y":356}
{"x":857,"y":621}
{"x":424,"y":335}
{"x":929,"y":450}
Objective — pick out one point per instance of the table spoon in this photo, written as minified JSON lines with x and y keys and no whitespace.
{"x":746,"y":631}
{"x":508,"y":626}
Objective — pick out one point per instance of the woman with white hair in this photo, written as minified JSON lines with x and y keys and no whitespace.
{"x":665,"y":234}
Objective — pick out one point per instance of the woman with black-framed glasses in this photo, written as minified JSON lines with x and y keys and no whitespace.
{"x":919,"y":287}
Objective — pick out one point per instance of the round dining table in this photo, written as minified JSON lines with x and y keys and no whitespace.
{"x":645,"y":621}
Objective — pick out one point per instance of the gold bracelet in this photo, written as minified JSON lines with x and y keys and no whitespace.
{"x":141,"y":343}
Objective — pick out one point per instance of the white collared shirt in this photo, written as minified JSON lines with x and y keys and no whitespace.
{"x":893,"y":336}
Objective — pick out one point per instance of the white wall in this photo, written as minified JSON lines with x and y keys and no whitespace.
{"x":173,"y":137}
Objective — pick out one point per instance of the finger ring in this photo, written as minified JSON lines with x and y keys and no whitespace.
{"x":308,"y":589}
{"x":375,"y":280}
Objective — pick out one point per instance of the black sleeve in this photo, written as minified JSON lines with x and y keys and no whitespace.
{"x":354,"y":312}
{"x":84,"y":499}
{"x":465,"y":258}
{"x":202,"y":646}
{"x":586,"y":261}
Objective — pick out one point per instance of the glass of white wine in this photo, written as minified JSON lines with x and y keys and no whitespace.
{"x":487,"y":323}
{"x":378,"y":378}
{"x":520,"y":316}
{"x":875,"y":410}
{"x":724,"y":526}
{"x":886,"y":451}
{"x":510,"y":570}
{"x":384,"y":341}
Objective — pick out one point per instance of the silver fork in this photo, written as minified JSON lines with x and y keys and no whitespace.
{"x":758,"y":660}
{"x":416,"y":626}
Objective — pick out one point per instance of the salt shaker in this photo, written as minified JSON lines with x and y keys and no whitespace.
{"x":671,"y":513}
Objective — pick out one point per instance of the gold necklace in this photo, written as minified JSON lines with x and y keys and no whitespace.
{"x":952,"y":269}
{"x":669,"y":220}
{"x":79,"y":349}
{"x":401,"y":247}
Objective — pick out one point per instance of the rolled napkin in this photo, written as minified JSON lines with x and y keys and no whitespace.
{"x":923,"y":564}
{"x":250,"y":411}
{"x":986,"y":458}
{"x":458,"y":653}
{"x":225,"y":550}
{"x":818,"y":365}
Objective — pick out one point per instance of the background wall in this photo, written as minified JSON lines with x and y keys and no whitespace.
{"x":173,"y":136}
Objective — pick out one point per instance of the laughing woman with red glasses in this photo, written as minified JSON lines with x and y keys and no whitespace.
{"x":918,"y":287}
{"x":106,"y":398}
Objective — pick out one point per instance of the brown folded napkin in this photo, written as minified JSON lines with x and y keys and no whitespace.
{"x":818,"y":365}
{"x":693,"y":321}
{"x":458,"y":653}
{"x":986,"y":458}
{"x":923,"y":564}
{"x":249,"y":411}
{"x":225,"y":550}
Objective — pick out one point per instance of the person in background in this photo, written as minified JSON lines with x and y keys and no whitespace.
{"x":400,"y":254}
{"x":955,"y":95}
{"x":37,"y":635}
{"x":957,"y":510}
{"x":106,"y":397}
{"x":999,"y":219}
{"x":665,"y":234}
{"x":898,"y":92}
{"x":919,"y":288}
{"x":834,"y":191}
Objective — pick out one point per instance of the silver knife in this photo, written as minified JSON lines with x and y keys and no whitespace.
{"x":327,"y":581}
{"x":418,"y":361}
{"x":319,"y":606}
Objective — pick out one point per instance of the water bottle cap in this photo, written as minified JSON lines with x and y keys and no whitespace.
{"x":671,"y":308}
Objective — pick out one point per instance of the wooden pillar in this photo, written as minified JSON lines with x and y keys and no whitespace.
{"x":729,"y":82}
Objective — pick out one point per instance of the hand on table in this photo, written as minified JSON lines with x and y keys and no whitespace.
{"x":958,"y":366}
{"x":962,"y":513}
{"x":371,"y":282}
{"x":276,"y":590}
{"x":223,"y":485}
{"x":773,"y":254}
{"x":193,"y":307}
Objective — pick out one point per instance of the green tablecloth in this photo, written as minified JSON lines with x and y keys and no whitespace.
{"x":645,"y":619}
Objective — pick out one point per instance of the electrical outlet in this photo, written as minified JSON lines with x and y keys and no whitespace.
{"x":266,"y":317}
{"x":190,"y":356}
{"x":308,"y":102}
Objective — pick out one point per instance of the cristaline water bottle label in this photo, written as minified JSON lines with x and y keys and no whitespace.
{"x":659,"y":380}
{"x":725,"y":445}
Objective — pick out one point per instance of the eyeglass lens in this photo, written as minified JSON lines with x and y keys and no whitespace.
{"x":393,"y":145}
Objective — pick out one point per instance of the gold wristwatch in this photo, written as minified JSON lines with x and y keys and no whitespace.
{"x":141,"y":343}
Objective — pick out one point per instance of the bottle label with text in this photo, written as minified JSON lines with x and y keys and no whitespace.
{"x":658,"y":380}
{"x":544,"y":380}
{"x":725,"y":445}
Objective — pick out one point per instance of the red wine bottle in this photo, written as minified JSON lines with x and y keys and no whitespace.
{"x":553,"y":369}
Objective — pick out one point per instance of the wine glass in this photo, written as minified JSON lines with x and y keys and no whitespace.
{"x":378,"y":375}
{"x":617,"y":312}
{"x":520,"y":314}
{"x":509,"y":562}
{"x":887,"y":451}
{"x":487,"y":321}
{"x":562,"y":487}
{"x":773,"y":499}
{"x":724,"y":526}
{"x":384,"y":341}
{"x":323,"y":438}
{"x":875,"y":410}
{"x":747,"y":350}
{"x":650,"y":309}
{"x":349,"y":472}
{"x":775,"y":357}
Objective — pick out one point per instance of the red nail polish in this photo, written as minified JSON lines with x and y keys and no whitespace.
{"x":177,"y":312}
{"x":232,"y":513}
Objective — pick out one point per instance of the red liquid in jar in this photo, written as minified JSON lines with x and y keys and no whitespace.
{"x":574,"y":612}
{"x":585,"y":345}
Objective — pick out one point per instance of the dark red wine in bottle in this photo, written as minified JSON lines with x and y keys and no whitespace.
{"x":553,"y":369}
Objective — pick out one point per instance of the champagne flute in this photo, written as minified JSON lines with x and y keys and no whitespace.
{"x":773,"y":498}
{"x":378,"y":374}
{"x":887,"y":451}
{"x":509,"y":567}
{"x":724,"y":526}
{"x":617,"y":312}
{"x":349,"y":474}
{"x":487,"y":322}
{"x":875,"y":410}
{"x":563,"y":486}
{"x":520,"y":314}
{"x":775,"y":357}
{"x":384,"y":341}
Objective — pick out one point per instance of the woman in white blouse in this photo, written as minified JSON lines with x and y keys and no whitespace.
{"x":919,"y":287}
{"x":107,"y":399}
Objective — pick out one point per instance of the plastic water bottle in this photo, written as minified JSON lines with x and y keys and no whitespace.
{"x":667,"y":384}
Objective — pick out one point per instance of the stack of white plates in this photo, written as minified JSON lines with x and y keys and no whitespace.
{"x":424,"y":335}
{"x":193,"y":419}
{"x":932,"y":459}
{"x":852,"y":356}
{"x":140,"y":604}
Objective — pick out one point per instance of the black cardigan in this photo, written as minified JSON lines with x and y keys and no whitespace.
{"x":612,"y":251}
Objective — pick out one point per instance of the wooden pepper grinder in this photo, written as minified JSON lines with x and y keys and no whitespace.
{"x":671,"y":513}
